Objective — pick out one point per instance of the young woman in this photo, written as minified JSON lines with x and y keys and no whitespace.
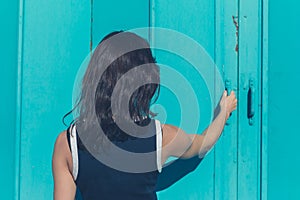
{"x":75,"y":164}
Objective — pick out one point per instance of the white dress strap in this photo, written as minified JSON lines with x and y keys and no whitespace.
{"x":74,"y":151}
{"x":158,"y":145}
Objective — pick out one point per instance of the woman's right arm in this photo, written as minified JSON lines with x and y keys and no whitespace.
{"x":180,"y":144}
{"x":64,"y":186}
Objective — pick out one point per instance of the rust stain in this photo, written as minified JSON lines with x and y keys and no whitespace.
{"x":91,"y":45}
{"x":236,"y":24}
{"x":91,"y":25}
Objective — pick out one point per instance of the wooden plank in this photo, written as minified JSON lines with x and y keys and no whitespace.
{"x":19,"y":101}
{"x":226,"y":60}
{"x":56,"y":40}
{"x":196,"y":19}
{"x":249,"y":139}
{"x":264,"y":100}
{"x":8,"y":86}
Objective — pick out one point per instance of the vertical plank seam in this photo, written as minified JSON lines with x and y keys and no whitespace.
{"x":19,"y":102}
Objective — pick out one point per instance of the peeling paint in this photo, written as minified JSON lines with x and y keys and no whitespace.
{"x":236,"y":24}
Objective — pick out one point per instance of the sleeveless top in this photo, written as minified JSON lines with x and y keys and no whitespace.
{"x":95,"y":180}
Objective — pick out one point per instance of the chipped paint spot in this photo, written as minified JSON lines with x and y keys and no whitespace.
{"x":236,"y":24}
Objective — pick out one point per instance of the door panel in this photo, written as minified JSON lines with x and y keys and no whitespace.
{"x":226,"y":179}
{"x":249,"y":100}
{"x":56,"y":38}
{"x":195,"y":19}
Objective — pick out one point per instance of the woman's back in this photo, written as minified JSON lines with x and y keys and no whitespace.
{"x":94,"y":178}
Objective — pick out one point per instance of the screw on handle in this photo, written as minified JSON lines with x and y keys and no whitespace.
{"x":251,"y":104}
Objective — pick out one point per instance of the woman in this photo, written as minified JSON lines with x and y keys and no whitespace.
{"x":103,"y":119}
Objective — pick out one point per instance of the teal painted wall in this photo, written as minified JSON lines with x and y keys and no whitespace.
{"x":284,"y":98}
{"x":8,"y":87}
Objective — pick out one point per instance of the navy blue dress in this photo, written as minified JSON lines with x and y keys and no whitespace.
{"x":95,"y":180}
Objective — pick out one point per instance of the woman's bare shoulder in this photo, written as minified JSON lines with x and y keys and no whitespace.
{"x":62,"y":153}
{"x":61,"y":138}
{"x":61,"y":142}
{"x":64,"y":186}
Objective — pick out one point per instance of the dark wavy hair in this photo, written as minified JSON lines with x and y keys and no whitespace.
{"x":117,"y":53}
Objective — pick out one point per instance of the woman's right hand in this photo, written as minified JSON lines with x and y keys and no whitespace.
{"x":228,"y":103}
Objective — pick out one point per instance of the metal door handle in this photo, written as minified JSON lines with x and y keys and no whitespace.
{"x":251,"y":104}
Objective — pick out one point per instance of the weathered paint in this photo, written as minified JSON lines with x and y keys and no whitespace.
{"x":226,"y":179}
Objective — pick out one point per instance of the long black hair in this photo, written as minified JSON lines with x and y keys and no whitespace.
{"x":117,"y":53}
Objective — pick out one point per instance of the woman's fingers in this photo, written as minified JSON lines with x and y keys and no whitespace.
{"x":232,"y":95}
{"x":228,"y":103}
{"x":225,"y":93}
{"x":232,"y":101}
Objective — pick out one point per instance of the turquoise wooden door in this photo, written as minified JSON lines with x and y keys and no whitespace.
{"x":230,"y":33}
